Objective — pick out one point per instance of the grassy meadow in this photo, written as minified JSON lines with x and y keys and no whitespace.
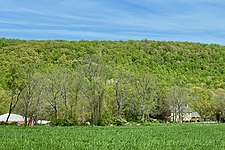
{"x":156,"y":136}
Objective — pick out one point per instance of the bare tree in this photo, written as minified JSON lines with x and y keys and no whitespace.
{"x":94,"y":87}
{"x":31,"y":96}
{"x":178,"y":97}
{"x":146,"y":89}
{"x":51,"y":86}
{"x":65,"y":85}
{"x":121,"y":85}
{"x":74,"y":92}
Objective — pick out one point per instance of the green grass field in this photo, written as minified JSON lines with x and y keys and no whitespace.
{"x":156,"y":136}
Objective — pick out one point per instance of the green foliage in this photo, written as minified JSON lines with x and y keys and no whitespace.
{"x":14,"y":124}
{"x":189,"y":62}
{"x":104,"y":122}
{"x":151,"y":120}
{"x":115,"y":121}
{"x":64,"y":122}
{"x":92,"y":80}
{"x":9,"y":124}
{"x":3,"y":123}
{"x":119,"y":121}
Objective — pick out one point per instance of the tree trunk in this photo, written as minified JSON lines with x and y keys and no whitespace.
{"x":142,"y":113}
{"x":10,"y":111}
{"x":25,"y":115}
{"x":119,"y":111}
{"x":101,"y":99}
{"x":65,"y":103}
{"x":55,"y":110}
{"x":11,"y":106}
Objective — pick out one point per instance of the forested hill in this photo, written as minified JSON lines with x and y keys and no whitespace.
{"x":184,"y":64}
{"x":172,"y":62}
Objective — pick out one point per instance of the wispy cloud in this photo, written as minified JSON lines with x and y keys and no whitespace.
{"x":181,"y":20}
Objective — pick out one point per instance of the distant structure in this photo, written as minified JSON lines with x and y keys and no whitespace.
{"x":195,"y":116}
{"x":184,"y":113}
{"x":13,"y":118}
{"x":43,"y":122}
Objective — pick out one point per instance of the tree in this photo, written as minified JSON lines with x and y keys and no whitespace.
{"x":74,"y":92}
{"x":219,"y":101}
{"x":204,"y":103}
{"x":3,"y":101}
{"x":146,"y":89}
{"x":122,"y":86}
{"x":65,"y":85}
{"x":178,"y":97}
{"x":51,"y":86}
{"x":94,"y":87}
{"x":31,"y":96}
{"x":14,"y":85}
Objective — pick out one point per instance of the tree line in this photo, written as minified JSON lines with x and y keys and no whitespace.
{"x":97,"y":80}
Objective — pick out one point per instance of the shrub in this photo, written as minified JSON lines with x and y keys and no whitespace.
{"x":104,"y":122}
{"x":151,"y":121}
{"x":9,"y":123}
{"x":147,"y":123}
{"x":3,"y":123}
{"x":64,"y":122}
{"x":13,"y":123}
{"x":119,"y":121}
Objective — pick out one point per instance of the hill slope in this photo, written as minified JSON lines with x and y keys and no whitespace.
{"x":190,"y":62}
{"x":172,"y":63}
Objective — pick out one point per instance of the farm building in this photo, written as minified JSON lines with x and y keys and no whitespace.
{"x":184,"y":113}
{"x":12,"y":118}
{"x":43,"y":122}
{"x":195,"y":116}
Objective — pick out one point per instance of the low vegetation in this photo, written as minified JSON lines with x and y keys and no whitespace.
{"x":154,"y":137}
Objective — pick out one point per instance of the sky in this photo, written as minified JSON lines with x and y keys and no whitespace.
{"x":165,"y":20}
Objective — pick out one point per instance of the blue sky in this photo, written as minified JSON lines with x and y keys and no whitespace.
{"x":171,"y":20}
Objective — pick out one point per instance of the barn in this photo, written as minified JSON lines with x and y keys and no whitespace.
{"x":12,"y":118}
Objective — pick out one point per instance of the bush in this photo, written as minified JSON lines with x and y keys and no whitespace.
{"x":151,"y":121}
{"x":119,"y":121}
{"x":64,"y":122}
{"x":13,"y":123}
{"x":104,"y":122}
{"x":221,"y":119}
{"x":3,"y":123}
{"x":9,"y":123}
{"x":147,"y":123}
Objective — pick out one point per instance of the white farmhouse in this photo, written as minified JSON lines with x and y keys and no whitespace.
{"x":183,"y":113}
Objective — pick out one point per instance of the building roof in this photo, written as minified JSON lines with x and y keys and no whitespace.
{"x":195,"y":115}
{"x":12,"y":118}
{"x":184,"y":108}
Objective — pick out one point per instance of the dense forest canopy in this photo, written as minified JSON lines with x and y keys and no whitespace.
{"x":95,"y":80}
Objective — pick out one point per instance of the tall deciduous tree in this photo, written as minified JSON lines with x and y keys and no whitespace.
{"x":14,"y":85}
{"x":75,"y":88}
{"x":146,"y":89}
{"x":219,"y":101}
{"x":178,"y":97}
{"x":52,"y":88}
{"x":94,"y":88}
{"x":121,"y":84}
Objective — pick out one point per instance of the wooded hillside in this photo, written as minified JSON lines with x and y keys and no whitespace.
{"x":97,"y":80}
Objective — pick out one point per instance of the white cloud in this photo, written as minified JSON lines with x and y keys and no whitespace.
{"x":137,"y":19}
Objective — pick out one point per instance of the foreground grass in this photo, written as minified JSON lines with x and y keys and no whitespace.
{"x":155,"y":137}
